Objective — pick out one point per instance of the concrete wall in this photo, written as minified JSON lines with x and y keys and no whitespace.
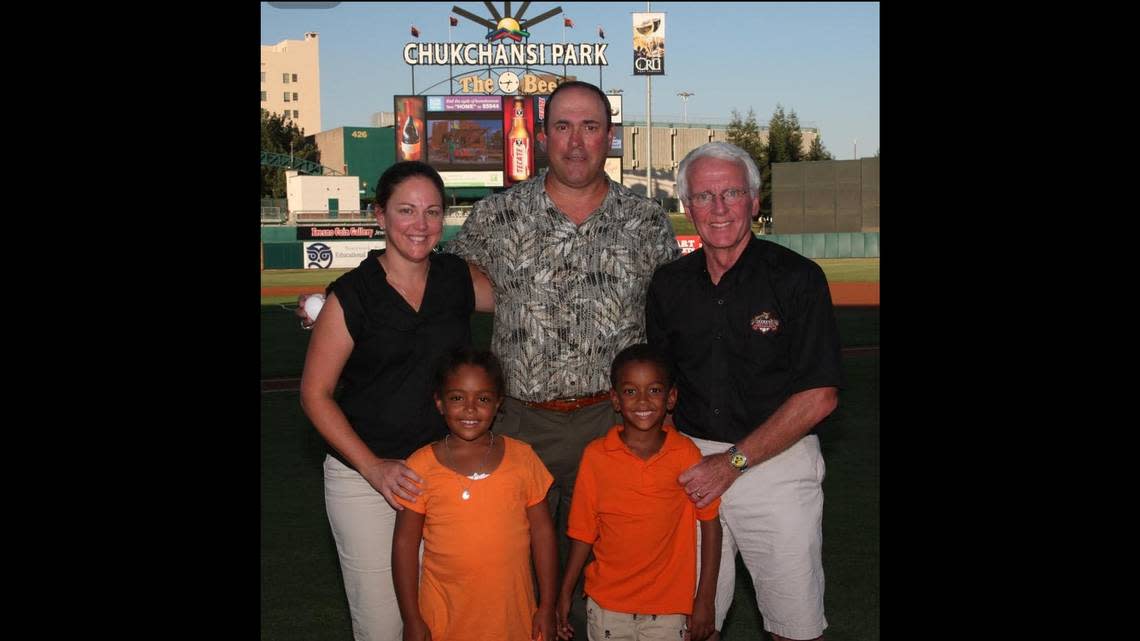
{"x":364,"y":152}
{"x":830,"y":245}
{"x":309,"y":193}
{"x":825,"y":196}
{"x":330,"y":148}
{"x":671,"y":143}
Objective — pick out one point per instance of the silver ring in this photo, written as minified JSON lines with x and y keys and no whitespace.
{"x":306,"y":327}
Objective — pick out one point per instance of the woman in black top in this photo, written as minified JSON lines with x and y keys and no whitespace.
{"x":380,"y":334}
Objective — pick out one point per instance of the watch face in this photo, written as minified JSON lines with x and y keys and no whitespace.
{"x":508,"y":82}
{"x":738,"y":461}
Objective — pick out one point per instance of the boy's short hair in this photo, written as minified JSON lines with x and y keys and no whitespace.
{"x":468,"y":355}
{"x":640,"y":353}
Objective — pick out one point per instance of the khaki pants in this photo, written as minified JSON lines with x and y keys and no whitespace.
{"x":773,"y":515}
{"x":605,"y":624}
{"x":362,"y":524}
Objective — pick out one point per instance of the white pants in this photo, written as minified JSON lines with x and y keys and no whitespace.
{"x":773,"y":514}
{"x":363,"y":523}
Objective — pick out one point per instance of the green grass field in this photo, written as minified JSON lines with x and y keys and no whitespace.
{"x":838,"y":270}
{"x":302,"y":598}
{"x":283,"y":342}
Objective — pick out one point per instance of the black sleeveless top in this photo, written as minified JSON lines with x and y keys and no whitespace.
{"x":388,"y":379}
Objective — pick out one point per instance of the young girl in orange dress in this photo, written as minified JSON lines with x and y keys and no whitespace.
{"x":482,"y":517}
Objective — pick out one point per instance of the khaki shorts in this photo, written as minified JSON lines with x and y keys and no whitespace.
{"x":773,"y":515}
{"x":603,"y":624}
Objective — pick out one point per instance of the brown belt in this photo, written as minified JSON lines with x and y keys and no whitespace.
{"x":569,"y":404}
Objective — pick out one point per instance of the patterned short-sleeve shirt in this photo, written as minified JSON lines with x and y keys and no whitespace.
{"x":568,"y":297}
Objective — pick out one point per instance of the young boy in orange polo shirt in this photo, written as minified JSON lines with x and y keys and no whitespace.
{"x":630,"y":510}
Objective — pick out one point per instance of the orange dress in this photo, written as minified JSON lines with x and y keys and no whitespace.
{"x":475,"y":579}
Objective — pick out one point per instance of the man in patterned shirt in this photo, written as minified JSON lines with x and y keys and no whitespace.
{"x":570,"y":253}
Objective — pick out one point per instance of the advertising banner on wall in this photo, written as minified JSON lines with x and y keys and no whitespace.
{"x":472,"y":178}
{"x":518,"y":150}
{"x":613,"y":169}
{"x":335,"y":255}
{"x":688,"y":244}
{"x":649,"y":44}
{"x":464,"y":103}
{"x":339,"y":232}
{"x":541,"y":160}
{"x":409,"y":128}
{"x":615,"y":108}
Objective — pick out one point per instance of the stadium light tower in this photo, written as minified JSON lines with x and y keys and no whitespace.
{"x":685,"y":95}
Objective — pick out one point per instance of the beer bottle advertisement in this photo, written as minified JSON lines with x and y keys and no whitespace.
{"x":410,"y":130}
{"x":518,"y":149}
{"x":541,"y":160}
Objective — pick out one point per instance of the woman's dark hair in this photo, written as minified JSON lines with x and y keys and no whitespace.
{"x":640,"y":353}
{"x":401,"y":171}
{"x":580,"y":85}
{"x":469,"y":356}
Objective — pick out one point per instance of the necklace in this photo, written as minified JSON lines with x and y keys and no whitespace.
{"x":398,"y":288}
{"x":388,"y":277}
{"x":478,"y":474}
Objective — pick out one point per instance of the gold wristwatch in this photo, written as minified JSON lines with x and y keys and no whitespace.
{"x":737,"y":459}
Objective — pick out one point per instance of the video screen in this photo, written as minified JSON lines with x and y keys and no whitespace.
{"x":465,"y":144}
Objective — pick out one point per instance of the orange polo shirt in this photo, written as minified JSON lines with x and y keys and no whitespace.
{"x":641,"y":523}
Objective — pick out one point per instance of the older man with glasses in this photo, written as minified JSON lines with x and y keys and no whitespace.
{"x":749,"y":329}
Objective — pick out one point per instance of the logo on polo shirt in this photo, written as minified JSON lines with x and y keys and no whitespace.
{"x":765,"y":323}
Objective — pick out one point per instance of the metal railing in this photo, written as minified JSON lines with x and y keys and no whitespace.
{"x":670,"y":121}
{"x":324,"y":216}
{"x":280,"y":216}
{"x":273,"y":216}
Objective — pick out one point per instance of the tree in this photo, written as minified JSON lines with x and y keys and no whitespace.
{"x":746,"y":135}
{"x":818,"y":151}
{"x":276,"y":135}
{"x":785,"y":144}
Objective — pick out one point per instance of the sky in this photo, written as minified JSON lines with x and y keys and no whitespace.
{"x":819,"y":59}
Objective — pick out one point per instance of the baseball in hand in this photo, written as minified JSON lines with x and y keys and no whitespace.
{"x":313,"y":306}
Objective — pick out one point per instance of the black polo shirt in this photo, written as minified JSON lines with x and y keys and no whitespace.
{"x":742,"y":347}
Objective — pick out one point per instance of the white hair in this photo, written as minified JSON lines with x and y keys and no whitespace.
{"x":723,"y":151}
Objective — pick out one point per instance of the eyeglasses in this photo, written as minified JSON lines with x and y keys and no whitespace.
{"x":705,"y":199}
